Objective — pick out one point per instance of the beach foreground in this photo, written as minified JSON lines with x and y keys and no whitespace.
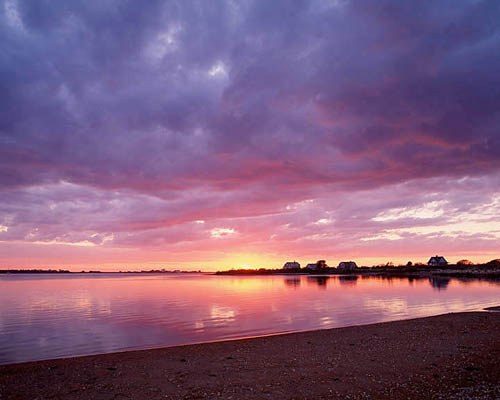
{"x":451,"y":356}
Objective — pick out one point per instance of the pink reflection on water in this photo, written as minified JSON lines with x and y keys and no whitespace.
{"x":62,"y":315}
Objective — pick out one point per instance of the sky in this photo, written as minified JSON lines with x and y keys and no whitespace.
{"x":235,"y":134}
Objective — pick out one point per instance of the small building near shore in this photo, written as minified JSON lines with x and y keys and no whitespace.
{"x":318,"y":266}
{"x":347,"y":266}
{"x":312,"y":267}
{"x":291,"y":265}
{"x":437,"y":261}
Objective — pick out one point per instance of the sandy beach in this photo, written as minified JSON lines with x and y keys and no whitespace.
{"x":451,"y":356}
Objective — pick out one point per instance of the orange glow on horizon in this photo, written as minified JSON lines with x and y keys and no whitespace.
{"x":106,"y":258}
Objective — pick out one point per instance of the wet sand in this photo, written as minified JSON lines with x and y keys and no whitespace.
{"x":451,"y":356}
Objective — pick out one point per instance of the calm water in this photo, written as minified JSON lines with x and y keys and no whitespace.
{"x":49,"y":316}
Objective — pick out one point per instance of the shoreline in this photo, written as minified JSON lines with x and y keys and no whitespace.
{"x":446,"y":355}
{"x":423,"y":273}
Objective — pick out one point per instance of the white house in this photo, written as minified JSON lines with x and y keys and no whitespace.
{"x":291,"y":265}
{"x":347,"y":266}
{"x":312,"y":267}
{"x":437,"y":261}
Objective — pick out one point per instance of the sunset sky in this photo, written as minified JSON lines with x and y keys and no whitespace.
{"x":218,"y":134}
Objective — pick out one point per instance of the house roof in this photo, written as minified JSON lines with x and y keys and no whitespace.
{"x":438,"y":259}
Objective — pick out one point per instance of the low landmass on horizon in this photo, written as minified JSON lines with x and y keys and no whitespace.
{"x":228,"y":135}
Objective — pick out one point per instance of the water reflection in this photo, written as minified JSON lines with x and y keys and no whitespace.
{"x":292,"y":282}
{"x":321,"y":281}
{"x":439,"y":282}
{"x":350,"y":280}
{"x":47,"y":317}
{"x":414,"y":279}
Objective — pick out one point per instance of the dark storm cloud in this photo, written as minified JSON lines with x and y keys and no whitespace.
{"x":120,"y":94}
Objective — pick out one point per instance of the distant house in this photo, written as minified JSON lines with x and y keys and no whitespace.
{"x":347,"y":266}
{"x":291,"y":265}
{"x":437,"y":261}
{"x":318,"y":266}
{"x":312,"y":267}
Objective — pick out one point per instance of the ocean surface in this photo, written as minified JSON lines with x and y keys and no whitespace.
{"x":57,"y":315}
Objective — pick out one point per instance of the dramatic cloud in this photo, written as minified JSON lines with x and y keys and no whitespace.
{"x":205,"y":133}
